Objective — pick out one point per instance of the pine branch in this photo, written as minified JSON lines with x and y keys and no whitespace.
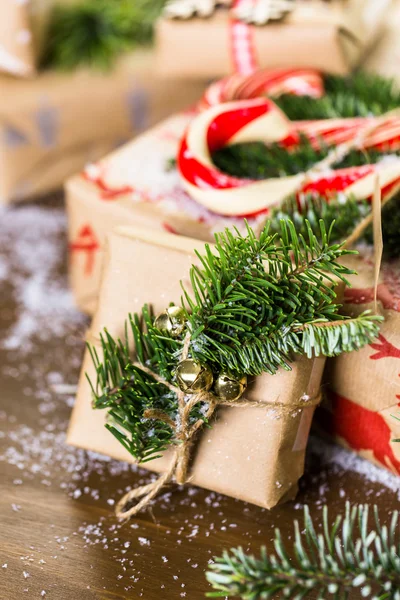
{"x":130,"y":394}
{"x":345,"y":556}
{"x":127,"y":392}
{"x":96,"y":32}
{"x":256,"y":160}
{"x":334,"y":338}
{"x":256,"y":302}
{"x":359,"y":95}
{"x":247,"y":320}
{"x":344,"y":212}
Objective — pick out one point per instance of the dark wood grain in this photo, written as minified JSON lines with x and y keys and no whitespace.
{"x":57,"y":521}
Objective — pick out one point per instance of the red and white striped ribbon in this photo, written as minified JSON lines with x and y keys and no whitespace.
{"x":261,"y":120}
{"x":243,"y":50}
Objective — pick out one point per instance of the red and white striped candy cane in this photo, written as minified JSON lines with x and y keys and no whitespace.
{"x":266,"y":82}
{"x":261,"y":120}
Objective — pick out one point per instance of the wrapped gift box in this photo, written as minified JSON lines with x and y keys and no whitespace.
{"x":132,"y":186}
{"x":51,"y":126}
{"x":255,"y":454}
{"x":363,"y":393}
{"x":331,"y":37}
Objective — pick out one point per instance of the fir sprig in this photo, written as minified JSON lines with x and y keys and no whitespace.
{"x":341,"y":212}
{"x":96,"y":32}
{"x":245,"y":319}
{"x":256,"y":160}
{"x":345,"y":556}
{"x":128,"y":392}
{"x":256,"y":302}
{"x":358,"y":95}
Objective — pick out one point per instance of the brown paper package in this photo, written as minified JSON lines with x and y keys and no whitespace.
{"x":50,"y":127}
{"x":332,"y":37}
{"x":254,"y":454}
{"x":363,"y":388}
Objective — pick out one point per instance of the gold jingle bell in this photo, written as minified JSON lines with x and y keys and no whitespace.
{"x":171,"y":321}
{"x":228,"y":387}
{"x":193,"y":377}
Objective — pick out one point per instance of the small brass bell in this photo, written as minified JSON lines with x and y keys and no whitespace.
{"x":193,"y":377}
{"x":171,"y":321}
{"x":228,"y":387}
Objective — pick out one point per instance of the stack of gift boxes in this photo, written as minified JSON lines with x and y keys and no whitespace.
{"x":134,"y":225}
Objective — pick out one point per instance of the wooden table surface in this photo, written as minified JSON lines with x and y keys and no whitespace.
{"x":58,"y":537}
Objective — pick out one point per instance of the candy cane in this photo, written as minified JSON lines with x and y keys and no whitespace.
{"x":267,"y":82}
{"x":261,"y":120}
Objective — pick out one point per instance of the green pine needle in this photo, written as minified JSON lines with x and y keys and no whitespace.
{"x":96,"y":32}
{"x":345,"y":557}
{"x":256,"y":303}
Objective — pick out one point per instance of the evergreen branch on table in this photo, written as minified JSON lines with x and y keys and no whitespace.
{"x":96,"y":32}
{"x":256,"y":160}
{"x":345,"y":557}
{"x":358,"y":95}
{"x":256,"y":302}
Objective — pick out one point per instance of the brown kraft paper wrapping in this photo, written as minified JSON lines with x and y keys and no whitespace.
{"x":363,"y":388}
{"x":332,"y":37}
{"x":52,"y":126}
{"x":254,"y":454}
{"x":133,"y":186}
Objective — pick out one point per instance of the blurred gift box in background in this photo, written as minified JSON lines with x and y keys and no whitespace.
{"x":67,"y":95}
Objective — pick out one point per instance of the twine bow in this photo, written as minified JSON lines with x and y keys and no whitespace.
{"x":185,"y":434}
